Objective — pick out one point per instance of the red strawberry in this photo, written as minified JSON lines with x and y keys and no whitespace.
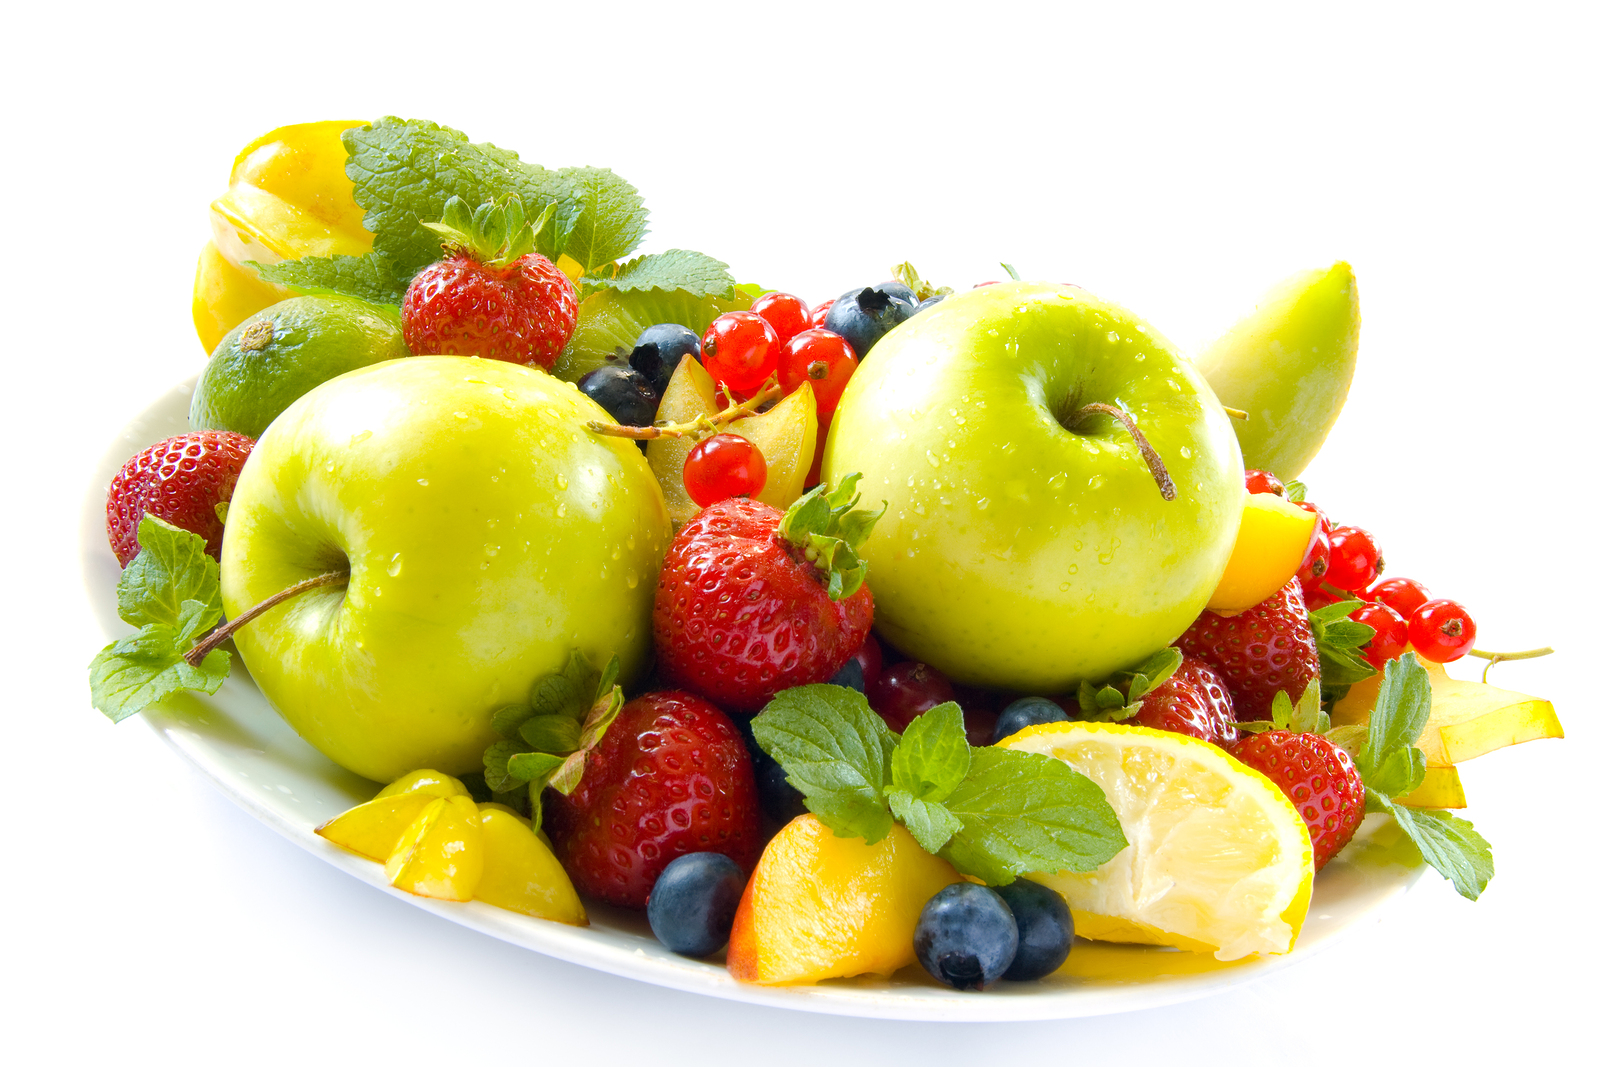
{"x":670,"y":776}
{"x":745,"y":608}
{"x":491,"y":296}
{"x":181,"y":481}
{"x":1193,"y":701}
{"x":1320,"y":779}
{"x":1258,"y":652}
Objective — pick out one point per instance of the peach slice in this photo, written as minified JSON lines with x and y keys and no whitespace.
{"x":820,"y":906}
{"x":374,"y":828}
{"x":1272,"y":540}
{"x":520,"y":873}
{"x":440,"y":855}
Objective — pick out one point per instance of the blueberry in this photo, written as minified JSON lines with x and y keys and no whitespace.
{"x":659,"y":349}
{"x":780,"y":800}
{"x":1044,"y":929}
{"x":966,"y":936}
{"x":626,"y":394}
{"x":851,"y":676}
{"x":691,"y":906}
{"x":862,"y":316}
{"x":928,"y":303}
{"x":1029,"y":711}
{"x":900,"y":289}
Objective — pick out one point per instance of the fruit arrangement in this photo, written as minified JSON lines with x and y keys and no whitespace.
{"x":914,"y":627}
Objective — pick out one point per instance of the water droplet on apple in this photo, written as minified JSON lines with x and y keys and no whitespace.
{"x":1064,"y":586}
{"x":561,"y":481}
{"x":917,"y":507}
{"x":1138,"y":357}
{"x":1095,"y":482}
{"x":491,"y":550}
{"x":561,"y":511}
{"x":933,"y":460}
{"x":983,"y":502}
{"x":633,"y":578}
{"x":394,"y":565}
{"x":1077,"y":546}
{"x":423,"y":482}
{"x":1072,"y":568}
{"x":1184,"y":452}
{"x":358,"y":438}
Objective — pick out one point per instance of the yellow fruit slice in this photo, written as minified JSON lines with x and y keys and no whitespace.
{"x":1218,"y":859}
{"x":430,"y":782}
{"x":1272,"y":540}
{"x":1440,"y":788}
{"x":225,"y":295}
{"x":440,"y":855}
{"x":520,"y":873}
{"x":374,"y":828}
{"x":689,"y":395}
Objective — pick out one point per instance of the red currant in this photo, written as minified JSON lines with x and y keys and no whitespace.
{"x":786,"y":313}
{"x":1354,"y":559}
{"x":819,"y":314}
{"x":740,"y":349}
{"x":1442,"y":631}
{"x":1323,"y":522}
{"x":723,"y":466}
{"x":1318,"y":597}
{"x":824,"y":359}
{"x":1389,"y":638}
{"x":906,"y":690}
{"x":1262,"y":482}
{"x":1404,"y":595}
{"x":1314,"y":567}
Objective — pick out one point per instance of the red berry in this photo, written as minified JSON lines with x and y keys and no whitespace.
{"x":1193,"y":701}
{"x":785,"y":313}
{"x":1258,"y":652}
{"x":1262,"y":482}
{"x":870,"y":656}
{"x":1319,"y":597}
{"x":180,"y":480}
{"x":721,"y":466}
{"x":1404,"y":595}
{"x":739,"y":615}
{"x":1319,"y":778}
{"x":1314,"y":567}
{"x":906,"y":690}
{"x":670,"y":776}
{"x":740,"y":350}
{"x":822,"y":358}
{"x":1389,"y":638}
{"x":1442,"y":631}
{"x":1324,"y":523}
{"x":523,"y":312}
{"x":819,"y":314}
{"x":1354,"y":559}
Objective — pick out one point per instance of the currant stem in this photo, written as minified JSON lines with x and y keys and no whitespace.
{"x":1501,"y":657}
{"x":204,"y":648}
{"x":1152,"y":458}
{"x":769,"y":391}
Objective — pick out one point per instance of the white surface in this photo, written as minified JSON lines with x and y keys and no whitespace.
{"x":1178,"y":161}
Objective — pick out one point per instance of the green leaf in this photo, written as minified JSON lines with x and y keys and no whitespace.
{"x":531,"y":766}
{"x":550,"y":733}
{"x":823,"y":525}
{"x":509,"y":719}
{"x":695,"y":273}
{"x":569,"y":693}
{"x":836,"y":752}
{"x":496,"y":771}
{"x":129,"y":675}
{"x":1349,"y":738}
{"x":1399,"y":773}
{"x":1021,"y":812}
{"x":929,"y":821}
{"x":613,"y":219}
{"x":373,"y":277}
{"x":1308,"y":712}
{"x":1405,"y":700}
{"x":1282,"y":710}
{"x":1294,"y":490}
{"x":172,"y":567}
{"x":1449,"y":844}
{"x":933,"y":755}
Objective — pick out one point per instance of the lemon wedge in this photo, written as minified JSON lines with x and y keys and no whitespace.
{"x":1218,"y":860}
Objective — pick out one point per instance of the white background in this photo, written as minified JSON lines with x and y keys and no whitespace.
{"x":1177,"y":160}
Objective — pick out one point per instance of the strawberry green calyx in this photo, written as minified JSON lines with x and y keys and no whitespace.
{"x":1305,"y":717}
{"x":1339,"y":642}
{"x":1120,"y":697}
{"x":495,"y":234}
{"x":823,"y":528}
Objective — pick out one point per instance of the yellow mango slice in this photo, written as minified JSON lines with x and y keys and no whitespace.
{"x":225,"y":295}
{"x":520,"y":873}
{"x":440,"y":855}
{"x":374,"y":828}
{"x":820,"y":906}
{"x":1272,"y":540}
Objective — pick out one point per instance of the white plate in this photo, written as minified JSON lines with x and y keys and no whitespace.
{"x":240,"y":743}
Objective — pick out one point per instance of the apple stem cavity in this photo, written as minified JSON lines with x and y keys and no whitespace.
{"x":206,"y":644}
{"x":704,"y":426}
{"x":1152,"y":459}
{"x":1501,"y":657}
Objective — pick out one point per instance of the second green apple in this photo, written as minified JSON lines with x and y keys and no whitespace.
{"x":1017,"y":553}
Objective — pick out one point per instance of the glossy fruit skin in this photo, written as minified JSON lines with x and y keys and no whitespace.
{"x":659,"y":348}
{"x":740,"y":349}
{"x":1193,"y":701}
{"x":671,"y":776}
{"x":862,"y":316}
{"x":181,"y":481}
{"x":1389,"y":632}
{"x":430,"y":475}
{"x":786,"y":313}
{"x":1404,"y":595}
{"x":1258,"y":652}
{"x":1044,"y":929}
{"x":966,"y":936}
{"x":1442,"y":631}
{"x":825,"y":360}
{"x":1271,"y":547}
{"x":722,"y":466}
{"x":862,"y":670}
{"x":1318,"y":777}
{"x":692,"y":904}
{"x":1314,"y":568}
{"x":523,"y":312}
{"x":906,"y":690}
{"x":1262,"y":482}
{"x":1033,"y":557}
{"x":737,"y":618}
{"x":819,"y":314}
{"x":625,"y":394}
{"x":1354,"y":559}
{"x":1025,"y":712}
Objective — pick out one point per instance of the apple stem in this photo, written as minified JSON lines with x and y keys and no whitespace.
{"x":199,"y":652}
{"x":1501,"y":657}
{"x":771,"y":390}
{"x":1152,"y":458}
{"x":1235,"y":413}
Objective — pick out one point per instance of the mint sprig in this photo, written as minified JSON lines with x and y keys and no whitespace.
{"x":827,"y":529}
{"x":171,"y":592}
{"x":375,"y":279}
{"x":695,"y":273}
{"x":993,"y":813}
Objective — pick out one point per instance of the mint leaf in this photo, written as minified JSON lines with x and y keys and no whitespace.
{"x":374,"y":278}
{"x":1022,"y":811}
{"x":929,"y":821}
{"x":933,"y":755}
{"x":1399,"y":773}
{"x":836,"y":751}
{"x":128,"y":676}
{"x":1449,"y":844}
{"x":1294,"y":490}
{"x":695,"y":273}
{"x":613,"y":218}
{"x":1405,"y":700}
{"x":172,"y":567}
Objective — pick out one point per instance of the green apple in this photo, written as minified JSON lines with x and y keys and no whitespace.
{"x":487,"y":534}
{"x":1016,"y":553}
{"x":1289,"y":365}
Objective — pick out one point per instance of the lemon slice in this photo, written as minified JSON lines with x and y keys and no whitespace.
{"x":1218,"y":860}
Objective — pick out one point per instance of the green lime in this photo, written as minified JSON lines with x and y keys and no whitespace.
{"x":276,"y":356}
